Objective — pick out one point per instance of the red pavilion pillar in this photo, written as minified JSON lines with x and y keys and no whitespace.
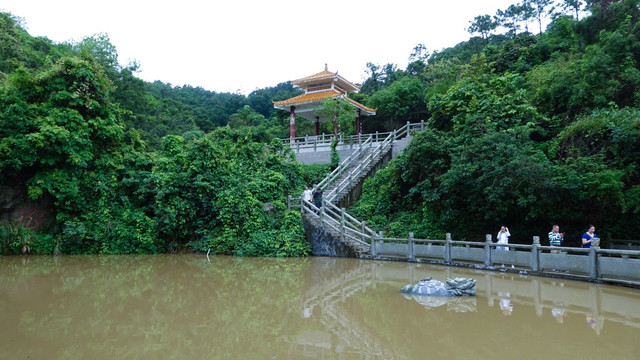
{"x":317,"y":125}
{"x":292,"y":123}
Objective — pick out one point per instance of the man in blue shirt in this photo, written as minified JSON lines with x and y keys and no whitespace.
{"x":555,"y":238}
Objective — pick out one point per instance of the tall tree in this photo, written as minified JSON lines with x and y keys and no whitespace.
{"x":484,"y":25}
{"x":509,"y":19}
{"x":419,"y":53}
{"x":573,"y":6}
{"x":540,"y":10}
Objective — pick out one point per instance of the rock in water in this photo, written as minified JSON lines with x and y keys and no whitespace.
{"x":453,"y":287}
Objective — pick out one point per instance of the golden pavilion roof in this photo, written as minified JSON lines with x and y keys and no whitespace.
{"x":325,"y":77}
{"x":319,"y":87}
{"x":309,"y":98}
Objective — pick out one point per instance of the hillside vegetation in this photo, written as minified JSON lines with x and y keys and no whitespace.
{"x":527,"y":126}
{"x":134,"y":167}
{"x":525,"y":130}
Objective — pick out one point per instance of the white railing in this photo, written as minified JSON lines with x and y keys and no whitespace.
{"x":323,"y":141}
{"x":596,"y":264}
{"x":338,"y":219}
{"x":345,"y":164}
{"x":349,"y":228}
{"x":364,"y":164}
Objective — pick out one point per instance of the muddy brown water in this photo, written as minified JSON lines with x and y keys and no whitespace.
{"x":184,"y":307}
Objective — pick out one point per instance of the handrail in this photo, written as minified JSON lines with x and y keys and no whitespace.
{"x":337,"y":218}
{"x":343,"y":165}
{"x":314,"y":140}
{"x":355,"y":172}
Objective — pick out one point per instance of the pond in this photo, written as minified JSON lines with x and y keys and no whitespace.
{"x":184,"y":307}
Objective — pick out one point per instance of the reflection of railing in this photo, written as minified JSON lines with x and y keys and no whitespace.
{"x":330,"y":296}
{"x":614,"y":304}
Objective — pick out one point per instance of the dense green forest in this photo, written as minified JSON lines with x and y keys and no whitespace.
{"x":527,"y":127}
{"x":128,"y":166}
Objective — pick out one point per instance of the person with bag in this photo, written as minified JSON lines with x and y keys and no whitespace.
{"x":588,"y":237}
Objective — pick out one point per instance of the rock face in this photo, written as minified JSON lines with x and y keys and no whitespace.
{"x":452,"y":287}
{"x":323,"y":243}
{"x":16,"y":207}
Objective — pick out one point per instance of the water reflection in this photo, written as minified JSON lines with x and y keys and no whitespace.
{"x":558,"y":312}
{"x":165,"y":307}
{"x":457,"y":304}
{"x":505,"y":303}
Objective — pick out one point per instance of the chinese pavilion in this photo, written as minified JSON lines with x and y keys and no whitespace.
{"x":317,"y":88}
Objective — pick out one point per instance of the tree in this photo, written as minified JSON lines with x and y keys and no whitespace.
{"x":374,"y":81}
{"x":340,"y":112}
{"x":99,"y":46}
{"x":402,"y":101}
{"x":419,"y":53}
{"x":484,"y":25}
{"x":509,"y":19}
{"x":573,"y":5}
{"x":540,"y":10}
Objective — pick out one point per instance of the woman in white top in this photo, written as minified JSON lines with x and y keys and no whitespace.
{"x":503,"y":238}
{"x":307,"y":195}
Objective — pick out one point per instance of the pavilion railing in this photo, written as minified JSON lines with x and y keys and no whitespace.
{"x":323,"y":141}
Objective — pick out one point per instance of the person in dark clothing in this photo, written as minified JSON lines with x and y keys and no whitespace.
{"x":317,"y":197}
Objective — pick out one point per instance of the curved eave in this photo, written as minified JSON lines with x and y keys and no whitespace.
{"x":306,"y":99}
{"x":365,"y":110}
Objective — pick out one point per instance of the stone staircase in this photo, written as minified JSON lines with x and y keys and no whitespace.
{"x":346,"y":247}
{"x":340,"y":184}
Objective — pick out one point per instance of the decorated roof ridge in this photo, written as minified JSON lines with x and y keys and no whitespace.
{"x":309,"y":97}
{"x":326,"y":74}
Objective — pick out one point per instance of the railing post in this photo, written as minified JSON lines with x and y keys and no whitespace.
{"x":362,"y":228}
{"x":593,"y":259}
{"x":321,"y":213}
{"x":376,"y":135}
{"x":315,"y":145}
{"x":410,"y":253}
{"x":421,"y":125}
{"x":374,"y":243}
{"x":535,"y":255}
{"x":289,"y":202}
{"x":408,"y":127}
{"x":447,"y":248}
{"x":487,"y":250}
{"x":298,"y":147}
{"x":342,"y":225}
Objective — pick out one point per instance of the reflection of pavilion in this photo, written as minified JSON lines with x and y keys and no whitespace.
{"x":318,"y":88}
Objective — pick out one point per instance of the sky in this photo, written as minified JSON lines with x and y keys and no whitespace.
{"x":240,"y":45}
